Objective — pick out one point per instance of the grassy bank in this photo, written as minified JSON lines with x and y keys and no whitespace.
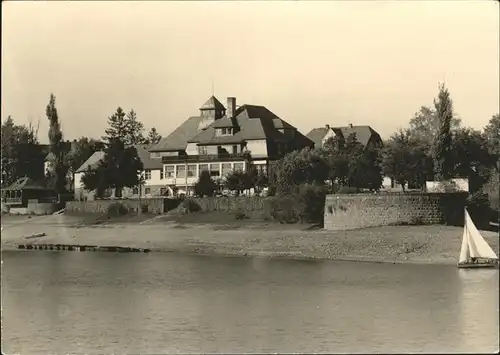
{"x":194,"y":234}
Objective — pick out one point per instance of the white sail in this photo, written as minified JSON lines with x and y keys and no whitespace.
{"x":464,"y":251}
{"x":473,"y":243}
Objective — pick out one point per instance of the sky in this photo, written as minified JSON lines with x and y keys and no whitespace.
{"x":311,"y":63}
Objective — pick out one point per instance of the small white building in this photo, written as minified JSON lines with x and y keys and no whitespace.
{"x":154,"y":183}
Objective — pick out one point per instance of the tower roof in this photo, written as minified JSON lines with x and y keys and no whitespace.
{"x":211,"y":104}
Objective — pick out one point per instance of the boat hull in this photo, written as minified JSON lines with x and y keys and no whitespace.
{"x":478,"y":265}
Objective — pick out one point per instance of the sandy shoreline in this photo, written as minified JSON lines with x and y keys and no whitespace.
{"x":394,"y":244}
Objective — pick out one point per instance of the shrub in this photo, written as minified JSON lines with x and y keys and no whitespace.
{"x":313,"y":199}
{"x":347,"y":190}
{"x":306,"y":204}
{"x":189,"y":205}
{"x":479,"y":209}
{"x":239,"y":215}
{"x":144,"y":208}
{"x":283,"y":208}
{"x":117,"y":209}
{"x":205,"y":185}
{"x":491,"y":188}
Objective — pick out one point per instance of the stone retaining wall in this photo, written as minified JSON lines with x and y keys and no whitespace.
{"x":40,"y":208}
{"x":343,"y":212}
{"x":155,"y":205}
{"x":251,"y":206}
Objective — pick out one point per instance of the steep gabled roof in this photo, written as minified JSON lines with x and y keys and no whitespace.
{"x":282,"y":124}
{"x":225,"y":122}
{"x":91,"y":162}
{"x":316,"y":135}
{"x":177,"y":140}
{"x":254,"y":122}
{"x":363,"y":133}
{"x":26,"y":183}
{"x":147,"y":162}
{"x":212,"y":103}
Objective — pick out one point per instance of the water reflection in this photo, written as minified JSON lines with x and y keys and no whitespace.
{"x":163,"y":303}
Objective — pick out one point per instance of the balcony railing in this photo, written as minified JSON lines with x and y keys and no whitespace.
{"x":13,"y":200}
{"x":204,"y":158}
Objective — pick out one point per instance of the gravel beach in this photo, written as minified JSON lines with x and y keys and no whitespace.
{"x":434,"y":244}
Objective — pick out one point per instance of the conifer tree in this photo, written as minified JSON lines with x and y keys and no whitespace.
{"x":443,"y":164}
{"x":153,"y":136}
{"x":59,"y":170}
{"x":117,"y":127}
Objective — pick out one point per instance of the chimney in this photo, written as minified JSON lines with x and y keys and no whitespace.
{"x":327,"y":126}
{"x":231,"y":107}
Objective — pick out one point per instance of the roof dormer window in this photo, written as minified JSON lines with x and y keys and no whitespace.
{"x":225,"y":131}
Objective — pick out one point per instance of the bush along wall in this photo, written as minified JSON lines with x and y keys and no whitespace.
{"x":305,"y":205}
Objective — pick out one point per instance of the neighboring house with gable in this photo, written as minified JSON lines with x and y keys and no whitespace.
{"x":153,"y":177}
{"x":365,"y":135}
{"x":218,"y":139}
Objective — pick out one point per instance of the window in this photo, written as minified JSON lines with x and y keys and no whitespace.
{"x":235,"y":149}
{"x":262,"y":169}
{"x":226,"y":131}
{"x":147,"y":191}
{"x":135,"y":191}
{"x":181,"y":171}
{"x":169,"y":171}
{"x":214,"y":169}
{"x":238,"y":166}
{"x":191,"y":172}
{"x":202,"y":150}
{"x":201,"y":168}
{"x":226,"y":169}
{"x":161,"y":174}
{"x":147,"y":175}
{"x":163,"y":191}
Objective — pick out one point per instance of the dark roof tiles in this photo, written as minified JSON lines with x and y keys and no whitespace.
{"x":26,"y":183}
{"x":142,"y":152}
{"x":177,"y":140}
{"x":363,"y":133}
{"x":212,"y":103}
{"x":317,"y":135}
{"x":252,"y":122}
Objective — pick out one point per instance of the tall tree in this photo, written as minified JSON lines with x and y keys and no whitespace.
{"x":424,"y":126}
{"x":492,"y":134}
{"x":335,"y":153}
{"x":81,"y":150}
{"x":134,"y":129}
{"x":121,"y":167}
{"x":443,"y":164}
{"x":153,"y":136}
{"x":364,"y":170}
{"x":404,"y":160}
{"x":471,"y":158}
{"x":297,"y":168}
{"x":117,"y":127}
{"x":59,"y":170}
{"x":125,"y":127}
{"x":21,"y":154}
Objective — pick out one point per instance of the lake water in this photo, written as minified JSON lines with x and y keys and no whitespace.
{"x":64,"y":302}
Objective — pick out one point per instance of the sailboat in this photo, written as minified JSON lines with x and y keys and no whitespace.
{"x":475,"y":252}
